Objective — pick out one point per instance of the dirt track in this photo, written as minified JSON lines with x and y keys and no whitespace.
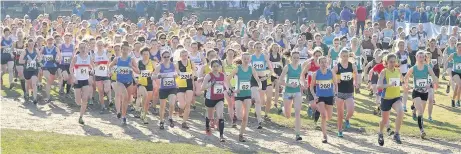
{"x":62,"y":118}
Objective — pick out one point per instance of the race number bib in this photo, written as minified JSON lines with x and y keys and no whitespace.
{"x":197,"y":67}
{"x":258,"y":65}
{"x":145,"y":73}
{"x":48,"y":57}
{"x":394,"y":82}
{"x":7,"y":50}
{"x":218,"y":89}
{"x":276,"y":65}
{"x":421,"y":83}
{"x":20,"y":51}
{"x":324,"y":84}
{"x":168,"y":82}
{"x":434,"y":61}
{"x":123,"y":70}
{"x":244,"y":85}
{"x":66,"y":60}
{"x":31,"y":64}
{"x":83,"y":72}
{"x":458,"y":66}
{"x":367,"y":51}
{"x":429,"y":79}
{"x":101,"y":70}
{"x":293,"y":82}
{"x":347,"y":76}
{"x":185,"y":75}
{"x":358,"y":61}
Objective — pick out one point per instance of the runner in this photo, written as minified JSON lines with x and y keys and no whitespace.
{"x":430,"y":98}
{"x":389,"y":81}
{"x":450,"y":49}
{"x":347,"y":73}
{"x":310,"y":67}
{"x":376,"y":67}
{"x":7,"y":56}
{"x":229,"y":66}
{"x":360,"y":59}
{"x":186,"y":71}
{"x":20,"y":47}
{"x":456,"y":74}
{"x":81,"y":66}
{"x":413,"y":46}
{"x":403,"y":55}
{"x":199,"y":60}
{"x":113,"y":80}
{"x":168,"y":88}
{"x":278,"y":62}
{"x":67,"y":52}
{"x":51,"y":55}
{"x":386,"y":36}
{"x":333,"y":53}
{"x":323,"y":89}
{"x":292,"y":94}
{"x":101,"y":74}
{"x":126,"y":65}
{"x":244,"y":73}
{"x":145,"y":85}
{"x":30,"y":59}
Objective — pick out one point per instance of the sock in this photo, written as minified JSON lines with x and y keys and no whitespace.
{"x":221,"y":127}
{"x":316,"y":116}
{"x":64,"y":83}
{"x":23,"y":85}
{"x":207,"y":122}
{"x":68,"y":86}
{"x":420,"y":122}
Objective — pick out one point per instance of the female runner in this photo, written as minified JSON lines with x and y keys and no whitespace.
{"x":186,"y":74}
{"x":81,"y":66}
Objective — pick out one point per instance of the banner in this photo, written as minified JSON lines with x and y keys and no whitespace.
{"x":431,"y":29}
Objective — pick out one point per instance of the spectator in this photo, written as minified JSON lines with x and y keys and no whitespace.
{"x":79,"y":9}
{"x":140,"y":8}
{"x":361,"y":16}
{"x":180,"y":7}
{"x":33,"y":12}
{"x":25,"y":7}
{"x":48,"y":7}
{"x":423,"y":15}
{"x":396,"y":13}
{"x":346,"y":14}
{"x":369,"y":7}
{"x":332,"y":18}
{"x":407,"y":13}
{"x":416,"y":16}
{"x":430,"y":14}
{"x":302,"y":14}
{"x":437,"y":14}
{"x":337,"y":7}
{"x":451,"y":19}
{"x":459,"y":20}
{"x":100,"y":16}
{"x":267,"y":12}
{"x":121,"y":7}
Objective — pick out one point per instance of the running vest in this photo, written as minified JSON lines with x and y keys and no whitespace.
{"x":449,"y":51}
{"x":82,"y":68}
{"x":49,"y":57}
{"x":442,"y":41}
{"x":124,"y":72}
{"x":391,"y":78}
{"x":420,"y":78}
{"x":66,"y":53}
{"x":31,"y":59}
{"x":19,"y":50}
{"x":281,"y":43}
{"x":228,"y":68}
{"x":101,"y":62}
{"x":259,"y":63}
{"x":167,"y":81}
{"x":324,"y":84}
{"x":312,"y":69}
{"x":345,"y":75}
{"x":146,"y":72}
{"x":358,"y":58}
{"x":293,"y":78}
{"x":413,"y":40}
{"x":334,"y":57}
{"x":243,"y":81}
{"x":403,"y":57}
{"x":216,"y":92}
{"x":387,"y":35}
{"x":277,"y":63}
{"x":197,"y":59}
{"x":7,"y":47}
{"x":457,"y":63}
{"x":184,"y":78}
{"x":434,"y":58}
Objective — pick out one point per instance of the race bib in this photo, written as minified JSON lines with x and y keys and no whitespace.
{"x":358,"y":61}
{"x":145,"y":73}
{"x":66,"y":60}
{"x":244,"y":85}
{"x":31,"y":64}
{"x":429,"y":79}
{"x":434,"y":61}
{"x":101,"y":70}
{"x":276,"y":65}
{"x":185,"y":75}
{"x":421,"y":83}
{"x":347,"y":76}
{"x":367,"y":51}
{"x":20,"y":51}
{"x":48,"y":57}
{"x":168,"y":82}
{"x":123,"y":70}
{"x":324,"y":84}
{"x":258,"y":65}
{"x":335,"y":62}
{"x":197,"y":67}
{"x":7,"y":50}
{"x":293,"y":82}
{"x":386,"y":39}
{"x":394,"y":82}
{"x":83,"y":72}
{"x":458,"y":66}
{"x":218,"y":89}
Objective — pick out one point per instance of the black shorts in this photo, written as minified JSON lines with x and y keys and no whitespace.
{"x":386,"y":104}
{"x":184,"y":89}
{"x":436,"y":72}
{"x":52,"y":70}
{"x":101,"y":78}
{"x":242,"y":98}
{"x":81,"y":83}
{"x":126,"y":84}
{"x":416,"y":94}
{"x":28,"y":74}
{"x":65,"y":67}
{"x":255,"y":84}
{"x":326,"y":100}
{"x":6,"y":57}
{"x":164,"y":93}
{"x":273,"y":78}
{"x":360,"y":71}
{"x":374,"y":79}
{"x":212,"y":103}
{"x":149,"y":87}
{"x":453,"y":73}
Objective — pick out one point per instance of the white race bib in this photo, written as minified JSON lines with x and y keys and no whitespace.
{"x":83,"y":73}
{"x":218,"y":89}
{"x":168,"y":82}
{"x":101,"y":70}
{"x":458,"y":66}
{"x":434,"y":61}
{"x":421,"y":83}
{"x":335,"y":62}
{"x":394,"y":82}
{"x":324,"y":84}
{"x":185,"y":75}
{"x":66,"y":59}
{"x":258,"y":65}
{"x":31,"y":64}
{"x":367,"y":51}
{"x":123,"y":70}
{"x":244,"y":85}
{"x":276,"y":64}
{"x":48,"y":57}
{"x":145,"y":73}
{"x":429,"y":79}
{"x":293,"y":82}
{"x":7,"y":50}
{"x":358,"y":61}
{"x":346,"y":76}
{"x":386,"y":39}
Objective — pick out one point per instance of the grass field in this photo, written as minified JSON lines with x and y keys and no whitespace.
{"x":22,"y":141}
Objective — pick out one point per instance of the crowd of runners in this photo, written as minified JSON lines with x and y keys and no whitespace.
{"x":157,"y":66}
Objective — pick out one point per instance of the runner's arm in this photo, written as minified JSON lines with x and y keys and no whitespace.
{"x":21,"y":58}
{"x":407,"y":76}
{"x":205,"y":83}
{"x":313,"y":81}
{"x":381,"y":84}
{"x":283,"y":74}
{"x":356,"y":73}
{"x":255,"y":75}
{"x":134,"y":66}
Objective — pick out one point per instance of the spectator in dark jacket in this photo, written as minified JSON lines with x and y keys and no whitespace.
{"x":34,"y":12}
{"x":415,"y":16}
{"x":436,"y":16}
{"x":332,"y":18}
{"x":443,"y":16}
{"x":302,"y":14}
{"x":346,"y":14}
{"x":424,"y":18}
{"x":451,"y":19}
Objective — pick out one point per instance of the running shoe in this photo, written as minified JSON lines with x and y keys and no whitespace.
{"x":371,"y":93}
{"x":35,"y":102}
{"x":221,"y":139}
{"x":458,"y":104}
{"x":61,"y":91}
{"x":123,"y":121}
{"x":430,"y":119}
{"x":103,"y":109}
{"x":161,"y":126}
{"x":144,"y":120}
{"x":90,"y":102}
{"x":397,"y":138}
{"x":298,"y":138}
{"x":380,"y":139}
{"x":414,"y":117}
{"x":324,"y":140}
{"x":171,"y":123}
{"x":340,"y":134}
{"x":423,"y":135}
{"x":347,"y":124}
{"x":309,"y":112}
{"x":453,"y":103}
{"x":119,"y":115}
{"x":260,"y":126}
{"x":11,"y":86}
{"x":390,"y":131}
{"x":80,"y":121}
{"x":448,"y":89}
{"x":137,"y":114}
{"x":234,"y":125}
{"x":357,"y":90}
{"x":184,"y":125}
{"x":241,"y":138}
